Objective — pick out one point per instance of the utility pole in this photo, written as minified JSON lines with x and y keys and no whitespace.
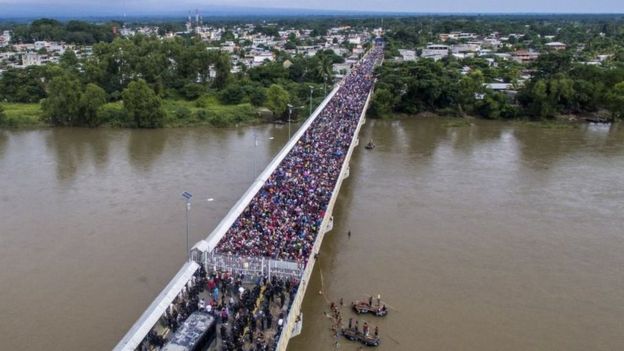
{"x":187,"y":196}
{"x":311,"y":91}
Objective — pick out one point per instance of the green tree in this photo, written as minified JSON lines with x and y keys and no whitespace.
{"x":62,"y":106}
{"x":91,"y":100}
{"x":615,"y":100}
{"x":193,"y":91}
{"x":3,"y":118}
{"x":232,"y":95}
{"x":383,"y":103}
{"x":538,"y":101}
{"x":143,"y":105}
{"x":23,"y":85}
{"x":494,"y":106}
{"x":223,"y":68}
{"x":277,"y":99}
{"x":470,"y":85}
{"x":257,"y":96}
{"x":69,"y":59}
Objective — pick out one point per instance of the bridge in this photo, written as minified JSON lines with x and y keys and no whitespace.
{"x":263,"y":251}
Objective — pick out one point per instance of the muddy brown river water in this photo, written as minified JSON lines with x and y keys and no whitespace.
{"x":495,"y":236}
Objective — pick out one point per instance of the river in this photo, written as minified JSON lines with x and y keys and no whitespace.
{"x":483,"y":237}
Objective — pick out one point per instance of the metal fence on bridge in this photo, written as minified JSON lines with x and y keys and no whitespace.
{"x":252,"y":267}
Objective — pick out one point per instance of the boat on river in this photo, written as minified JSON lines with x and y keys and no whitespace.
{"x":356,"y":335}
{"x":362,"y":306}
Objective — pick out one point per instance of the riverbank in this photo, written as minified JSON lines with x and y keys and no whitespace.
{"x":205,"y":111}
{"x":563,"y":121}
{"x":22,"y":115}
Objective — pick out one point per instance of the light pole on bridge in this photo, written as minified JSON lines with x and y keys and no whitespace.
{"x":187,"y":197}
{"x":311,"y":91}
{"x":290,"y":110}
{"x":255,"y":156}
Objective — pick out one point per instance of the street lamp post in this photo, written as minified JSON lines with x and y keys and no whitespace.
{"x":256,"y":153}
{"x":325,"y":85}
{"x":311,"y":91}
{"x":290,"y":110}
{"x":187,"y":196}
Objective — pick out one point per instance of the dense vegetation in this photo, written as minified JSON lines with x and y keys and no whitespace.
{"x":187,"y":82}
{"x":87,"y":91}
{"x":77,"y":32}
{"x":558,"y":87}
{"x":561,"y":83}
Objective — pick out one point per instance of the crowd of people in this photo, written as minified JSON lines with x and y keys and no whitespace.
{"x":281,"y":222}
{"x":249,"y":316}
{"x":284,"y":218}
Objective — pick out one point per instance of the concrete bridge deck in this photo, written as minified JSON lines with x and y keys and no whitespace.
{"x":204,"y":250}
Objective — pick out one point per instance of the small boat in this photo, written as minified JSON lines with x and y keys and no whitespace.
{"x":361,"y":307}
{"x":356,"y":335}
{"x":370,"y":145}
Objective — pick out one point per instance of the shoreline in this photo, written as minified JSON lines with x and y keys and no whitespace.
{"x":179,"y":114}
{"x":459,"y":121}
{"x":32,"y":119}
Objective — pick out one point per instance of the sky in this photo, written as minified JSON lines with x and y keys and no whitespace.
{"x":139,"y":7}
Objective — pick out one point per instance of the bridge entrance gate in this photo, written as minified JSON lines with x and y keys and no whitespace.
{"x":252,"y":267}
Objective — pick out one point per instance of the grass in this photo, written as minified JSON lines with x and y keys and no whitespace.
{"x":205,"y":111}
{"x":23,"y":115}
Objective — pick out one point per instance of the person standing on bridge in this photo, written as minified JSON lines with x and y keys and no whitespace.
{"x":215,"y":293}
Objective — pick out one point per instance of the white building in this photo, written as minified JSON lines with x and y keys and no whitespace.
{"x":466,"y":48}
{"x":41,"y":45}
{"x":31,"y":59}
{"x":435,"y":52}
{"x":5,"y":38}
{"x":408,"y":55}
{"x":355,"y":40}
{"x":260,"y":58}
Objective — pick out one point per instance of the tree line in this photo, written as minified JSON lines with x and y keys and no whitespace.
{"x":558,"y":86}
{"x":79,"y":89}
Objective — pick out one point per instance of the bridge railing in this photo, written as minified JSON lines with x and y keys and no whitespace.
{"x":293,"y":324}
{"x":252,"y":267}
{"x":155,"y":311}
{"x":206,"y":246}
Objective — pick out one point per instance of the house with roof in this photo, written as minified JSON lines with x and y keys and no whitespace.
{"x":525,"y":56}
{"x":556,"y":46}
{"x":435,"y":52}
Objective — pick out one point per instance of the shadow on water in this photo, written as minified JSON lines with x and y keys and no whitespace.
{"x":75,"y":148}
{"x":145,"y":147}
